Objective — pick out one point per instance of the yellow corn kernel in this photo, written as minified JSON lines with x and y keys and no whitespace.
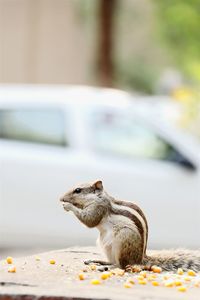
{"x":140,"y":277}
{"x":187,"y":278}
{"x":151,"y":277}
{"x":197,"y":283}
{"x":95,"y":281}
{"x":142,"y":281}
{"x":177,"y":282}
{"x":105,"y":275}
{"x":136,"y":269}
{"x":166,"y":277}
{"x":191,"y":273}
{"x":144,"y":274}
{"x":180,"y":271}
{"x":9,"y":260}
{"x":52,"y":261}
{"x":93,"y":267}
{"x":121,"y":272}
{"x":169,"y":283}
{"x":156,"y":269}
{"x":127,"y":285}
{"x":118,"y":271}
{"x":131,"y":281}
{"x":12,"y":269}
{"x":155,"y":283}
{"x":81,"y":276}
{"x":37,"y":258}
{"x":182,"y":288}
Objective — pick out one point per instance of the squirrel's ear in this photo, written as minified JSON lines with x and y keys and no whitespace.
{"x":98,"y":185}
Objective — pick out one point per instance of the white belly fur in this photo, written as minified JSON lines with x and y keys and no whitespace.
{"x":105,"y":239}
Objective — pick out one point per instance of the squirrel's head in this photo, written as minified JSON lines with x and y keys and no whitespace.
{"x":84,"y":194}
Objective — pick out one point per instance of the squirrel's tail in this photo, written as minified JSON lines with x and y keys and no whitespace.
{"x":171,"y":260}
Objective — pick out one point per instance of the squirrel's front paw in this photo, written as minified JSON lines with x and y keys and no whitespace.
{"x":67,"y":206}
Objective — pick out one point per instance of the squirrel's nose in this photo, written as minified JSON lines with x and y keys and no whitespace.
{"x":62,"y":199}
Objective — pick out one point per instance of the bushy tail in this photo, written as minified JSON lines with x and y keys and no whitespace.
{"x":171,"y":260}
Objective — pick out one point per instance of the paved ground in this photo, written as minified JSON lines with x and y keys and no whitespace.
{"x":40,"y":278}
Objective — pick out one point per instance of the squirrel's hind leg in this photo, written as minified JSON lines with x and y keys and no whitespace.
{"x":127,"y":247}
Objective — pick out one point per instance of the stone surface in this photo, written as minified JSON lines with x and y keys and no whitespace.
{"x":38,"y":279}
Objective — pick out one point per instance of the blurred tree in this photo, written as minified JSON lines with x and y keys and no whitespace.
{"x":134,"y":41}
{"x":105,"y":41}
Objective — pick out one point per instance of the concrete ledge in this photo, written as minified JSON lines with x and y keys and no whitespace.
{"x":32,"y":297}
{"x":39,"y":280}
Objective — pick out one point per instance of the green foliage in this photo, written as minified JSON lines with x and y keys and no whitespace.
{"x":137,"y":75}
{"x":179,"y":24}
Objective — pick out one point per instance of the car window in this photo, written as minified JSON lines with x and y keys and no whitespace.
{"x":42,"y":125}
{"x":122,"y":135}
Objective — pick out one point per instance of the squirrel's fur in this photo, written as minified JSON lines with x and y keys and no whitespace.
{"x":123,"y":230}
{"x":171,"y":260}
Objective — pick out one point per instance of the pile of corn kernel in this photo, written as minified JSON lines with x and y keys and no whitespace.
{"x":180,"y":280}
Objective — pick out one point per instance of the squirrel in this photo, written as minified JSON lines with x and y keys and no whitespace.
{"x":123,"y":230}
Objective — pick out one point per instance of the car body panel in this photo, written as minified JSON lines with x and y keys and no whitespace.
{"x":33,"y":176}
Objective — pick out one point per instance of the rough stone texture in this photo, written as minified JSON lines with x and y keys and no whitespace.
{"x":39,"y":280}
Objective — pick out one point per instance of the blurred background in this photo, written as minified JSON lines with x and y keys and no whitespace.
{"x":98,"y":90}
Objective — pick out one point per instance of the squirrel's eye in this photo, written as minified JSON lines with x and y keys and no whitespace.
{"x":77,"y":191}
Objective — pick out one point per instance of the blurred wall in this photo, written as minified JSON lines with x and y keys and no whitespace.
{"x":43,"y":41}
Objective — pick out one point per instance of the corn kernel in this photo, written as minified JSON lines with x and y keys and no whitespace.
{"x":127,"y":285}
{"x":151,"y":277}
{"x":131,"y":280}
{"x":156,"y":269}
{"x":169,"y":283}
{"x":187,"y":278}
{"x":105,"y":275}
{"x":52,"y":261}
{"x":197,"y":283}
{"x":121,"y":272}
{"x":155,"y":283}
{"x":95,"y":281}
{"x":142,"y":281}
{"x":93,"y":267}
{"x":37,"y":258}
{"x":180,"y":271}
{"x":182,"y":288}
{"x":191,"y":273}
{"x":118,"y":272}
{"x":140,"y":277}
{"x":133,"y":269}
{"x":144,"y":274}
{"x":81,"y":276}
{"x":9,"y":260}
{"x":177,"y":283}
{"x":12,"y":269}
{"x":166,"y":277}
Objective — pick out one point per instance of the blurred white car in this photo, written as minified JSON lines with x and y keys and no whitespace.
{"x":52,"y":138}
